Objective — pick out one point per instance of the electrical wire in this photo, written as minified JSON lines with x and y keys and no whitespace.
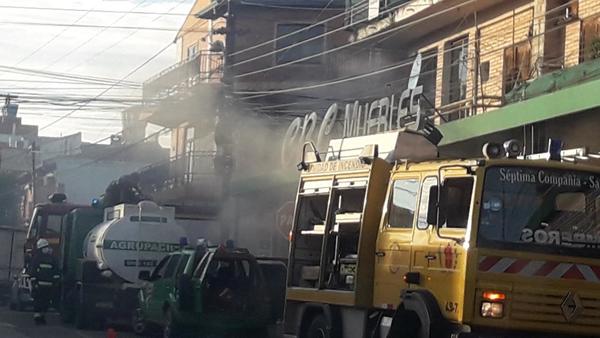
{"x":404,"y":63}
{"x":329,"y":51}
{"x":271,"y":41}
{"x":104,"y":50}
{"x":56,"y":36}
{"x":94,"y":36}
{"x":56,"y":24}
{"x":92,"y":10}
{"x":66,"y":76}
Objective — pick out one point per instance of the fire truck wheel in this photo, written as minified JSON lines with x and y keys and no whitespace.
{"x":138,"y":323}
{"x":318,"y":328}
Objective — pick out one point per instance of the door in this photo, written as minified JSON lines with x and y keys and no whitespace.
{"x":394,"y":241}
{"x":162,"y":284}
{"x":440,"y":257}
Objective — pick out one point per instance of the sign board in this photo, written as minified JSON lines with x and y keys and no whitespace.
{"x":359,"y":118}
{"x":373,"y":11}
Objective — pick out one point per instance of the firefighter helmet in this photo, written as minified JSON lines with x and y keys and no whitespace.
{"x":42,"y":243}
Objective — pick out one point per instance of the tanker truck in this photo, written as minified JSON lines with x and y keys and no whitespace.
{"x":103,"y":253}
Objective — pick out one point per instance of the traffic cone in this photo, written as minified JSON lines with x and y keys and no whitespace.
{"x":111,"y":333}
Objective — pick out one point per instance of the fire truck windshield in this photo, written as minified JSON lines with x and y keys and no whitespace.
{"x":541,"y":209}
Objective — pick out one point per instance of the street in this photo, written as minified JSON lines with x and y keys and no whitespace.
{"x":20,"y":325}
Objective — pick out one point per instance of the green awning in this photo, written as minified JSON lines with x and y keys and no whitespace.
{"x":570,"y":100}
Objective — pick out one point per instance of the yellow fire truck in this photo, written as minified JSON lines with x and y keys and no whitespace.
{"x":389,"y":241}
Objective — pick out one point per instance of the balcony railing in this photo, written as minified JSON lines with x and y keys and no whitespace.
{"x":205,"y":67}
{"x":192,"y":168}
{"x":358,"y":10}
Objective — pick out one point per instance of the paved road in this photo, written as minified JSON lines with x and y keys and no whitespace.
{"x":20,"y":325}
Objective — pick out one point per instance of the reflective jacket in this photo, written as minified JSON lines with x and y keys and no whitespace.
{"x":43,"y":270}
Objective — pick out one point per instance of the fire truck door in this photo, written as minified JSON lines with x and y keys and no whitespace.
{"x":394,"y":241}
{"x":439,"y":257}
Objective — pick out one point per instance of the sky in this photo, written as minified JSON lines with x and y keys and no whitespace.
{"x":55,"y":41}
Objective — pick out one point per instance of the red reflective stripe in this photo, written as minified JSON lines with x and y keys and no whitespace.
{"x":517,"y":266}
{"x":488,"y":263}
{"x":573,"y":273}
{"x":596,"y":270}
{"x":546,"y":269}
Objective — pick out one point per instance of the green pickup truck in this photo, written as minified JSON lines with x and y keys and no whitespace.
{"x":214,"y":292}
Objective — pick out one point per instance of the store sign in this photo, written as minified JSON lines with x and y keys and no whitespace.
{"x":358,"y":119}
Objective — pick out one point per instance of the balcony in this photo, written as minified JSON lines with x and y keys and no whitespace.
{"x":189,"y":182}
{"x":183,"y":77}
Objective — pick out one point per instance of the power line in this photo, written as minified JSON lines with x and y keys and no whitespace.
{"x":93,"y":36}
{"x":329,"y":51}
{"x":124,"y":39}
{"x":269,"y":42}
{"x":109,"y":88}
{"x":92,"y":10}
{"x":55,"y":24}
{"x":66,"y":76}
{"x":35,"y":51}
{"x":404,"y":63}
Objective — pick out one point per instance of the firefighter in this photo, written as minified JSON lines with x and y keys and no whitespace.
{"x":44,"y":273}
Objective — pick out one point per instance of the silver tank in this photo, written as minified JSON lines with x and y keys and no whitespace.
{"x":133,"y":238}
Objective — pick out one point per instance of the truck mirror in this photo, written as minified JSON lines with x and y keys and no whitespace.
{"x":144,"y":275}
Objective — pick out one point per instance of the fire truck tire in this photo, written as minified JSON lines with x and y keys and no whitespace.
{"x":418,"y":316}
{"x":319,"y":327}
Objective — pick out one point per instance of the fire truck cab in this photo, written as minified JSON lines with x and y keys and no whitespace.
{"x":389,"y":241}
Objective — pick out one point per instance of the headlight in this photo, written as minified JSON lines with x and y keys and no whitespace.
{"x":106,"y":273}
{"x":492,"y":305}
{"x":492,"y":310}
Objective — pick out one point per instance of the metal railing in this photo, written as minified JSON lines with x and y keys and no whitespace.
{"x":205,"y":67}
{"x":184,"y":169}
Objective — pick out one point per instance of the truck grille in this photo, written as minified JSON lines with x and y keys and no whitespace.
{"x":558,"y":307}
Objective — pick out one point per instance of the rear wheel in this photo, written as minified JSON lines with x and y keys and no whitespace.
{"x":406,"y":324}
{"x":138,"y":323}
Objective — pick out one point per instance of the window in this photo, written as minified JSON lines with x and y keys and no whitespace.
{"x":517,"y":65}
{"x":192,"y":51}
{"x":457,"y":62}
{"x":547,"y":210}
{"x":53,"y":226}
{"x":170,"y":270}
{"x":159,"y":271}
{"x":424,"y":203}
{"x":303,"y":50}
{"x":458,"y":201}
{"x":590,"y":39}
{"x":404,"y":201}
{"x":428,"y":79}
